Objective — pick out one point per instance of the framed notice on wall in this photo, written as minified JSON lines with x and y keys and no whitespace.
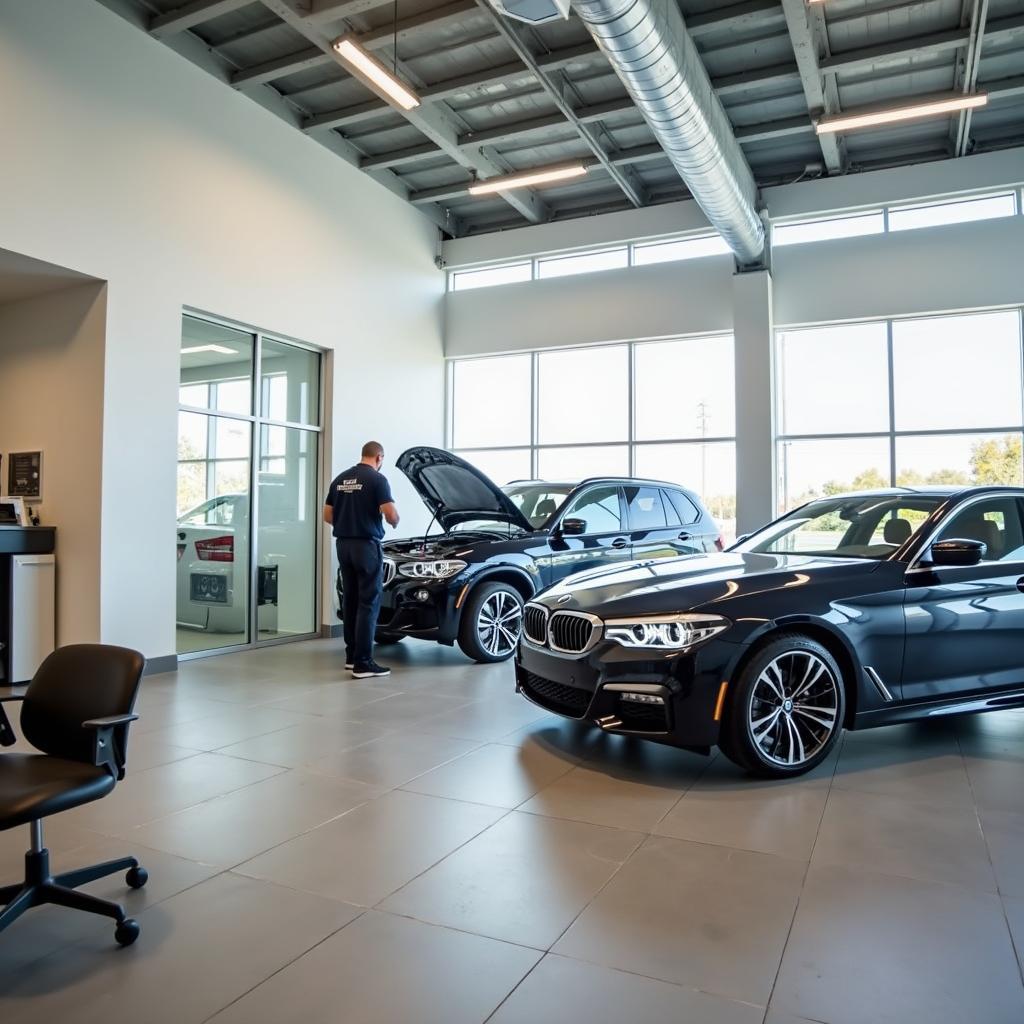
{"x":25,"y":475}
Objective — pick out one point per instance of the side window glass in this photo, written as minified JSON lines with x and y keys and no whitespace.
{"x":688,"y":512}
{"x":646,"y":511}
{"x":996,"y":523}
{"x":671,"y":514}
{"x":599,"y":507}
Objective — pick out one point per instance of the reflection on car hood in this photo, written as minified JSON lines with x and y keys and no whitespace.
{"x":456,"y":492}
{"x":678,"y":584}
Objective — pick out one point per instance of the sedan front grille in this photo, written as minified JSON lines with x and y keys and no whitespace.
{"x":389,"y":571}
{"x":563,"y":700}
{"x":535,"y":623}
{"x":573,"y":632}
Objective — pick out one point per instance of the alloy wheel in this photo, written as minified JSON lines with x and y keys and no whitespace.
{"x":794,"y":708}
{"x":499,"y":623}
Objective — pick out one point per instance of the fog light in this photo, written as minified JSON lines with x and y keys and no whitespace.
{"x":643,"y":698}
{"x":422,"y":595}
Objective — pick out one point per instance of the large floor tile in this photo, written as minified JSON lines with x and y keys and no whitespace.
{"x":393,"y":759}
{"x":388,"y":970}
{"x":495,"y":774}
{"x":408,"y":710}
{"x":486,"y":720}
{"x":727,"y":807}
{"x":558,"y":990}
{"x":869,"y":947}
{"x":157,"y":792}
{"x":237,"y":827}
{"x":176,"y":711}
{"x":523,"y":880}
{"x":374,"y":849}
{"x":931,"y":841}
{"x":198,"y":952}
{"x":1004,"y":836}
{"x":230,"y":726}
{"x":1014,"y":907}
{"x":300,"y":744}
{"x":996,"y":780}
{"x":342,"y":698}
{"x":696,"y":915}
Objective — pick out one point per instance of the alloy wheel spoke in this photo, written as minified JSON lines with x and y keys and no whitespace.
{"x":811,"y":676}
{"x":763,"y":726}
{"x":795,"y":742}
{"x":827,"y":719}
{"x":774,"y":685}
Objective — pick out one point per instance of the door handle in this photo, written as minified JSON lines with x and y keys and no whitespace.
{"x":619,"y":543}
{"x":181,"y":536}
{"x":685,"y":536}
{"x":1020,"y":584}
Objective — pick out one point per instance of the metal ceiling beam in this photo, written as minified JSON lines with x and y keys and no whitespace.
{"x":745,"y":81}
{"x":972,"y":62}
{"x":280,"y":67}
{"x":181,"y":19}
{"x":782,"y":128}
{"x":397,"y":157}
{"x":407,"y":28}
{"x":806,"y":27}
{"x":753,"y":14}
{"x":435,"y":121}
{"x":335,"y":10}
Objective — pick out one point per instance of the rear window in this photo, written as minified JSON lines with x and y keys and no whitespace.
{"x":646,"y":511}
{"x":687,"y":511}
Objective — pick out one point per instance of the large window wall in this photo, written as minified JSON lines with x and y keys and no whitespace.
{"x":661,"y":409}
{"x":907,"y":402}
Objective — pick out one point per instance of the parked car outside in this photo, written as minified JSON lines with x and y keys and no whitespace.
{"x":499,"y":546}
{"x":856,"y":610}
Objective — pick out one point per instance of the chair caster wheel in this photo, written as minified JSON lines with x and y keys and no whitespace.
{"x":127,"y":931}
{"x":137,"y":877}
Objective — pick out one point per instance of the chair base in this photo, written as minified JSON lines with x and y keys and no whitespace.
{"x":40,"y":887}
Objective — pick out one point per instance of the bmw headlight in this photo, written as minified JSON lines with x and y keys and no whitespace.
{"x":665,"y":632}
{"x":439,"y":570}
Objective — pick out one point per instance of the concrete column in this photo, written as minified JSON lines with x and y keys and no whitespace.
{"x":755,"y":389}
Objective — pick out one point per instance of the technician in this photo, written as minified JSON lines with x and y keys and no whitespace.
{"x":357,"y":504}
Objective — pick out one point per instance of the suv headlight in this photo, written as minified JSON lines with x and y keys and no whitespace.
{"x":665,"y":632}
{"x":439,"y":570}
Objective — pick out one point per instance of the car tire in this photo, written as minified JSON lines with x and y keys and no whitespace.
{"x":388,"y":638}
{"x":785,"y":708}
{"x":497,"y":603}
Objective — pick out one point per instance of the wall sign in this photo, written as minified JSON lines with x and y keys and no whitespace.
{"x":25,"y":475}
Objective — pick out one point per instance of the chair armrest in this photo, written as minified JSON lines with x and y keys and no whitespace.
{"x":7,"y":737}
{"x":104,"y":754}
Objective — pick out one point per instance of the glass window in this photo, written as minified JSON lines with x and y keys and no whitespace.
{"x":491,"y":401}
{"x":576,"y":464}
{"x":927,"y":215}
{"x":501,"y":466}
{"x":216,"y":367}
{"x":583,"y":395}
{"x":489,"y":276}
{"x":812,"y":469}
{"x":956,"y":372}
{"x":538,"y":502}
{"x":685,"y":389}
{"x":583,"y":263}
{"x":829,"y":228}
{"x":996,"y":522}
{"x":645,"y":509}
{"x":599,"y":508}
{"x":686,"y":511}
{"x":681,"y":249}
{"x":959,"y":459}
{"x":834,"y":380}
{"x":290,"y":383}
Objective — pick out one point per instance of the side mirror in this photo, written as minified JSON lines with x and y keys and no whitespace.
{"x":573,"y":527}
{"x":958,"y":551}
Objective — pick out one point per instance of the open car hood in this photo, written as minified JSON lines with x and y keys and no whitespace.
{"x":456,"y":492}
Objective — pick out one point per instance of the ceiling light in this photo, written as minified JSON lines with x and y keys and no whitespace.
{"x":925,"y":107}
{"x":350,"y":50}
{"x":219,"y":349}
{"x":524,"y":178}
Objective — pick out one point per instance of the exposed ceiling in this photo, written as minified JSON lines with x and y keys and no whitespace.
{"x":499,"y":96}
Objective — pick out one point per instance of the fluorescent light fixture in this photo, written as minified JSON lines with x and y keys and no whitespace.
{"x":930,"y":106}
{"x":350,"y":50}
{"x":219,"y":349}
{"x":522,"y":179}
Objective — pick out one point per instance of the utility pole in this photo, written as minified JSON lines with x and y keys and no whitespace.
{"x":702,"y":423}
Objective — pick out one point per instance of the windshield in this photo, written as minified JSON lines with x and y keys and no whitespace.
{"x":538,"y":502}
{"x":856,"y":526}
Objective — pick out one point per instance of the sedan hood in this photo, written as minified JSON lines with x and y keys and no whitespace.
{"x":456,"y":492}
{"x":694,"y":581}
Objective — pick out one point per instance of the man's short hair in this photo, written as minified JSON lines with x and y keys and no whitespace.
{"x":372,"y":449}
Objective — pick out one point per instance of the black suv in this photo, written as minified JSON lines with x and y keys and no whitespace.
{"x":501,"y":546}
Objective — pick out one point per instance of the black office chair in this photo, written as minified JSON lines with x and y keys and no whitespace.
{"x":76,"y":711}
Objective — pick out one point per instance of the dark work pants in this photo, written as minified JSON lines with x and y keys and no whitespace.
{"x":362,"y":566}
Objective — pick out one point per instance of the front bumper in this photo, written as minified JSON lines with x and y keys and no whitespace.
{"x":612,"y":687}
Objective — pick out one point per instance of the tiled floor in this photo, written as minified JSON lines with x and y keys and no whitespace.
{"x":432,"y":848}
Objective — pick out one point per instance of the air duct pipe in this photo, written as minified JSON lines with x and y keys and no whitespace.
{"x":648,"y":46}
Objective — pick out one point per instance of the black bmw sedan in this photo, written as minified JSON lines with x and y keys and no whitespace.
{"x":498,"y":546}
{"x":856,"y":610}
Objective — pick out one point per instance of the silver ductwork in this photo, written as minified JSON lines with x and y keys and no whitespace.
{"x":648,"y":46}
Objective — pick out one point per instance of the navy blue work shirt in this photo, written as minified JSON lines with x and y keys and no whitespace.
{"x":356,"y":496}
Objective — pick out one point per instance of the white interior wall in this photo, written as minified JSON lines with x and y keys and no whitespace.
{"x":124,"y":161}
{"x":51,"y":398}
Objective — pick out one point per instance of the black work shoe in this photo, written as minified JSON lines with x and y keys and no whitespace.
{"x":368,"y":670}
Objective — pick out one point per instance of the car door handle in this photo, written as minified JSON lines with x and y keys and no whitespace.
{"x":685,"y":536}
{"x":619,"y":542}
{"x":1020,"y":584}
{"x":181,"y":536}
